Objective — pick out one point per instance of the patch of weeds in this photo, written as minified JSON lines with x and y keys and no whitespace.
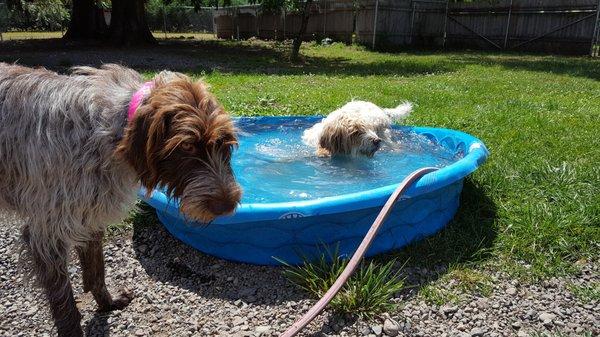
{"x":586,"y":293}
{"x":469,"y":280}
{"x":142,"y":214}
{"x":438,"y":296}
{"x":367,"y":292}
{"x":456,"y":282}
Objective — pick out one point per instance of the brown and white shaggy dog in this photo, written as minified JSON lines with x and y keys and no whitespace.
{"x":358,"y":128}
{"x":71,"y":162}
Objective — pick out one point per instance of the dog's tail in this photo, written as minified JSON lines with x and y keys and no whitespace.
{"x":400,"y":112}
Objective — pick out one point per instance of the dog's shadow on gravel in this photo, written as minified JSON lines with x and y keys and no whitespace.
{"x":466,"y":239}
{"x":98,"y":325}
{"x":168,"y":260}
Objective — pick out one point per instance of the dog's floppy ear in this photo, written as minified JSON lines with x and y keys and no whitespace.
{"x":156,"y":138}
{"x":142,"y":145}
{"x":335,"y":139}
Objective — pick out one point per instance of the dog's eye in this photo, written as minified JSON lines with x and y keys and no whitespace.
{"x":188,"y":147}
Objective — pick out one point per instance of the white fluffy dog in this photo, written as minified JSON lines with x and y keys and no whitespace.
{"x":357,"y":128}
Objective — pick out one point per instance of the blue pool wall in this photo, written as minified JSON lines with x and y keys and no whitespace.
{"x":264,"y":242}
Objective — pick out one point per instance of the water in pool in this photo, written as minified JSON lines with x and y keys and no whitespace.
{"x":272,"y":164}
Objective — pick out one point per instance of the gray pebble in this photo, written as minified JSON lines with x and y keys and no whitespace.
{"x":477,"y":332}
{"x":390,"y":327}
{"x":377,"y":329}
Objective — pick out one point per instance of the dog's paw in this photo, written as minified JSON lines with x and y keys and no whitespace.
{"x":123,"y":299}
{"x":322,"y":152}
{"x":120,"y":301}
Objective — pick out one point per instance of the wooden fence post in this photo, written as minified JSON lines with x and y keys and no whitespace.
{"x":324,"y":18}
{"x":412,"y":21}
{"x":508,"y":24}
{"x":164,"y":15}
{"x":596,"y":32}
{"x":375,"y":22}
{"x":237,"y":22}
{"x":215,"y":27}
{"x":445,"y":24}
{"x":257,"y":22}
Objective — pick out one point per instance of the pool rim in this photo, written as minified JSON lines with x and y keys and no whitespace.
{"x":476,"y":154}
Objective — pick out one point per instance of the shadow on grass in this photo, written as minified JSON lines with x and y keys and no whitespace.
{"x":199,"y":57}
{"x":466,"y":239}
{"x":206,"y":56}
{"x":560,"y":65}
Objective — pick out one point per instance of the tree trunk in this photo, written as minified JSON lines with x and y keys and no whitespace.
{"x":303,"y":25}
{"x":128,"y":24}
{"x":87,"y":21}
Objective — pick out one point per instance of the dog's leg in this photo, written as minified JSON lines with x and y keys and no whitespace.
{"x":51,"y":272}
{"x":323,"y":152}
{"x":92,"y":263}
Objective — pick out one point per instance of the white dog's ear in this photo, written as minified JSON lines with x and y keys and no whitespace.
{"x":338,"y":138}
{"x":400,"y":112}
{"x":334,"y":139}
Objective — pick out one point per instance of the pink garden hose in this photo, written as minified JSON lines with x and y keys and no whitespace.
{"x":358,"y":255}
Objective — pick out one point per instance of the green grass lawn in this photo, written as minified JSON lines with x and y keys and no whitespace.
{"x":533,"y":210}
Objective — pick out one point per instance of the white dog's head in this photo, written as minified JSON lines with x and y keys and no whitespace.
{"x":349,"y":138}
{"x":357,"y":128}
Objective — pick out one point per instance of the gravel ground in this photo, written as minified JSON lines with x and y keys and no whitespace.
{"x":181,"y":292}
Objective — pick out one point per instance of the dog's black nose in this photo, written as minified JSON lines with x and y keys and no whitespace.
{"x":377,"y":142}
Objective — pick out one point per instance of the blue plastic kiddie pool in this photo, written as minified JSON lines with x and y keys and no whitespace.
{"x":297,"y":205}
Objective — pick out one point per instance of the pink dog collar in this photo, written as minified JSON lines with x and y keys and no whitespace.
{"x":137,"y":98}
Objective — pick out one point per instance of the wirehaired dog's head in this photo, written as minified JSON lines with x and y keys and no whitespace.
{"x":357,"y":129}
{"x":182,"y":139}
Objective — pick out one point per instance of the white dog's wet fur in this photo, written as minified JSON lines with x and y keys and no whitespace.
{"x":358,"y":128}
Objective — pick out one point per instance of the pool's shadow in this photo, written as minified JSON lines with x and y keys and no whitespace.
{"x":467,"y":239}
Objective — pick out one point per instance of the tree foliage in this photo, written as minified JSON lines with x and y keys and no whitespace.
{"x":38,"y":14}
{"x":197,"y":4}
{"x":280,"y":5}
{"x":300,"y":6}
